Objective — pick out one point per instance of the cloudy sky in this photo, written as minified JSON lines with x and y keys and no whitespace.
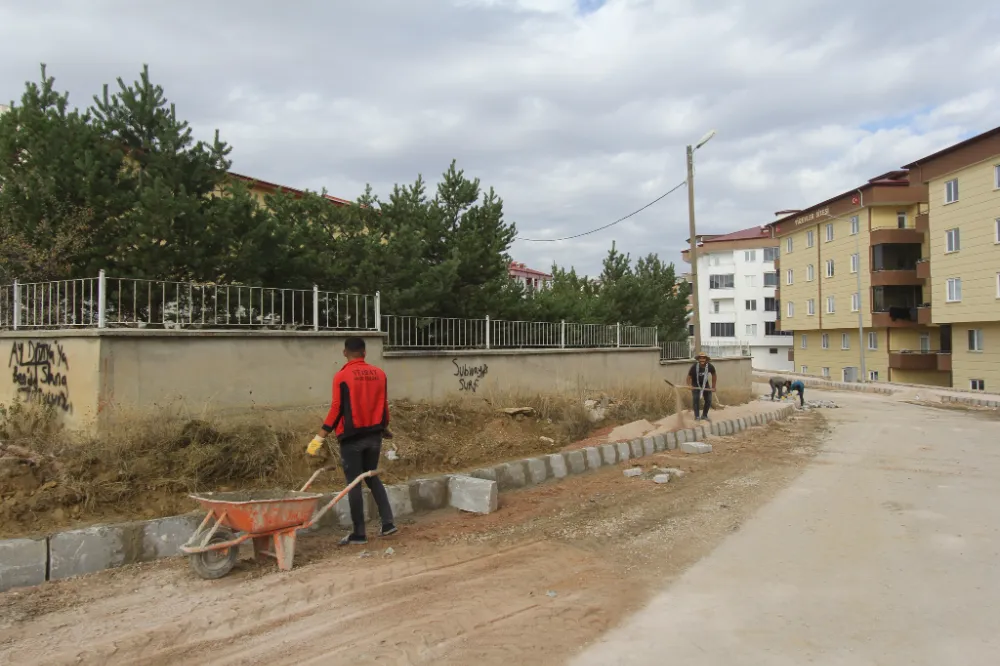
{"x":576,"y":111}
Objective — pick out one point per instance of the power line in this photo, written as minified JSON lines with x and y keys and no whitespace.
{"x":606,"y":226}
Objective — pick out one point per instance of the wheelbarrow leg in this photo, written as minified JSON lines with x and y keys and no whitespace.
{"x":284,"y":549}
{"x":261,"y":548}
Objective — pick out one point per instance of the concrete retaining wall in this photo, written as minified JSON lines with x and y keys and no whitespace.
{"x":25,"y":562}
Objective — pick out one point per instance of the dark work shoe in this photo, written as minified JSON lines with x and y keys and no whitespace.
{"x":353,"y":540}
{"x":388,"y":530}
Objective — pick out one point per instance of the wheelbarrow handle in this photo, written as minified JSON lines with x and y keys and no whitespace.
{"x":337,"y":497}
{"x":313,"y":477}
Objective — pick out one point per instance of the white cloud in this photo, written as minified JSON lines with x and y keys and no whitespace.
{"x":576,"y":116}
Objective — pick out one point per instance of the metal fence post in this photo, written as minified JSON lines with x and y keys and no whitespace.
{"x":102,"y":299}
{"x":618,"y":330}
{"x":487,"y":331}
{"x":378,"y":311}
{"x":562,"y":335}
{"x":17,"y":304}
{"x":656,"y":337}
{"x":315,"y":307}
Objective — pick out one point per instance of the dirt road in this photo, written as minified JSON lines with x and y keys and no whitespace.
{"x":535,"y":583}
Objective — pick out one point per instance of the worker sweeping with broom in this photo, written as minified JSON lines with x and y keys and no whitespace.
{"x":697,"y":381}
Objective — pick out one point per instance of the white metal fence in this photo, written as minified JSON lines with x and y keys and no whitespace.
{"x":439,"y":333}
{"x":685,"y":350}
{"x":109,"y":302}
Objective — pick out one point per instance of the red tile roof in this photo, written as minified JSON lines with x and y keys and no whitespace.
{"x":522,"y":270}
{"x":274,"y":187}
{"x":745,"y":234}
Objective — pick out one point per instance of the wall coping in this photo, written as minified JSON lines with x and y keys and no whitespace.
{"x":180,"y":333}
{"x":688,"y":361}
{"x":417,"y":353}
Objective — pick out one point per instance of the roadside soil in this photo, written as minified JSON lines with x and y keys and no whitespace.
{"x":549,"y":572}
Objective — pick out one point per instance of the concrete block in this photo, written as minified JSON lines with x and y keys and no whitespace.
{"x":609,"y":454}
{"x":624,"y":453}
{"x":429,"y":494}
{"x":661,"y":478}
{"x":743,"y":423}
{"x":538,"y":471}
{"x":593,"y":457}
{"x":682,"y":436}
{"x":716,"y":428}
{"x":488,"y":473}
{"x":557,"y":463}
{"x":399,"y":500}
{"x":635,"y":448}
{"x":576,"y":461}
{"x":648,"y":447}
{"x":92,"y":549}
{"x":696,"y":447}
{"x":474,"y":495}
{"x":728,"y":428}
{"x":511,"y":475}
{"x":671,"y":438}
{"x":659,"y":443}
{"x":23,"y":562}
{"x":342,"y":509}
{"x":633,"y":472}
{"x":691,"y":436}
{"x":164,"y":537}
{"x":701,"y":432}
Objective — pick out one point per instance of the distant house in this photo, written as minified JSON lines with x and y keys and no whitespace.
{"x":531,"y":279}
{"x":261,"y":188}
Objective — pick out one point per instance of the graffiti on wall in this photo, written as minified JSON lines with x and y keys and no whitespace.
{"x":40,"y":371}
{"x":469,"y":375}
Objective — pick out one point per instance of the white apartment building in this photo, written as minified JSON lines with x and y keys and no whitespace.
{"x":738,"y":303}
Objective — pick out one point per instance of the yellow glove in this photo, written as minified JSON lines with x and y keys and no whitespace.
{"x":315,"y":445}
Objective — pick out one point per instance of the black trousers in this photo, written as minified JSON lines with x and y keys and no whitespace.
{"x":361,"y":455}
{"x":777,"y":388}
{"x":706,"y":398}
{"x":802,"y":397}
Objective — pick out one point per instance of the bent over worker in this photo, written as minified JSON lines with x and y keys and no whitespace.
{"x":799,"y":388}
{"x":778,"y":385}
{"x":697,"y":381}
{"x":359,"y":416}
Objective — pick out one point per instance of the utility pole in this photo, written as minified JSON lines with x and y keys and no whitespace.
{"x":861,"y":302}
{"x":693,"y":252}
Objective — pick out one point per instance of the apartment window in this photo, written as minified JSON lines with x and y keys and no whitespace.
{"x":998,"y":285}
{"x":855,"y":263}
{"x":789,"y":276}
{"x":952,"y":240}
{"x":805,"y":341}
{"x":830,"y":305}
{"x":770,"y":305}
{"x":772,"y":350}
{"x":855,"y":225}
{"x":751,"y":305}
{"x":790,"y":308}
{"x":975,"y":339}
{"x":810,"y":273}
{"x":996,"y":177}
{"x":855,"y":302}
{"x":810,"y":241}
{"x":954,"y":290}
{"x":788,"y":245}
{"x":805,"y":370}
{"x":723,"y":329}
{"x":770,"y":254}
{"x":750,"y":256}
{"x":996,"y":224}
{"x":825,"y":341}
{"x":770,"y":279}
{"x":716,"y":307}
{"x":977,"y":384}
{"x":925,"y":343}
{"x":714,"y":260}
{"x":872,"y":340}
{"x":829,"y":268}
{"x":825,"y":372}
{"x":810,"y":307}
{"x":845,"y":341}
{"x":752,"y":330}
{"x":771,"y":328}
{"x":751,"y":280}
{"x":901,"y":219}
{"x":829,"y":232}
{"x":721,"y":281}
{"x":873,"y":375}
{"x":951,"y":191}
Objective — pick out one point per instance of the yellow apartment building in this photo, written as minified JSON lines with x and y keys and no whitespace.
{"x":963,"y":184}
{"x":853,"y":286}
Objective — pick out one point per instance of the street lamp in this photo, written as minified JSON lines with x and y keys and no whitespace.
{"x":695,"y":319}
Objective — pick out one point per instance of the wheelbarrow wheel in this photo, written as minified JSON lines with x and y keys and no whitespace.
{"x":213,"y":564}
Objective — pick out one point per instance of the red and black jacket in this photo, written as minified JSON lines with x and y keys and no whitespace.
{"x":360,"y":401}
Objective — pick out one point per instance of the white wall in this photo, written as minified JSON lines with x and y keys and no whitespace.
{"x":748,"y":285}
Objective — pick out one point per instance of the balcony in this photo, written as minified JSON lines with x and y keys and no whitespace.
{"x":924,"y":315}
{"x":894,"y":235}
{"x":929,"y":361}
{"x":923,"y":222}
{"x":924,"y":269}
{"x":897,"y":278}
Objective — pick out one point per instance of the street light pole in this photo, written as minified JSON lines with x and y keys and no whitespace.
{"x":693,"y":252}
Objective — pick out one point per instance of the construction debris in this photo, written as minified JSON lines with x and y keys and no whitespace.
{"x":518,"y":411}
{"x":633,"y":472}
{"x":661,"y":478}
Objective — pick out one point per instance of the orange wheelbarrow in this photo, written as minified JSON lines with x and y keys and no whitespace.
{"x":270,"y":517}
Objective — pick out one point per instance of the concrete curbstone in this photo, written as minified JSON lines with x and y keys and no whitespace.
{"x":557,"y":463}
{"x":538,"y":471}
{"x":632,"y":472}
{"x":468,"y":493}
{"x":635,"y":448}
{"x":428,"y":494}
{"x":690,"y":433}
{"x":487,"y":473}
{"x":593,"y":457}
{"x":648,"y":446}
{"x":715,"y":429}
{"x":702,"y":431}
{"x":609,"y":454}
{"x":164,"y":537}
{"x":23,"y":562}
{"x":659,"y":443}
{"x":399,"y":500}
{"x":696,"y":447}
{"x":576,"y":462}
{"x":681,"y":436}
{"x":342,"y":510}
{"x":92,"y":549}
{"x":511,"y":475}
{"x":671,"y":438}
{"x":624,"y":452}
